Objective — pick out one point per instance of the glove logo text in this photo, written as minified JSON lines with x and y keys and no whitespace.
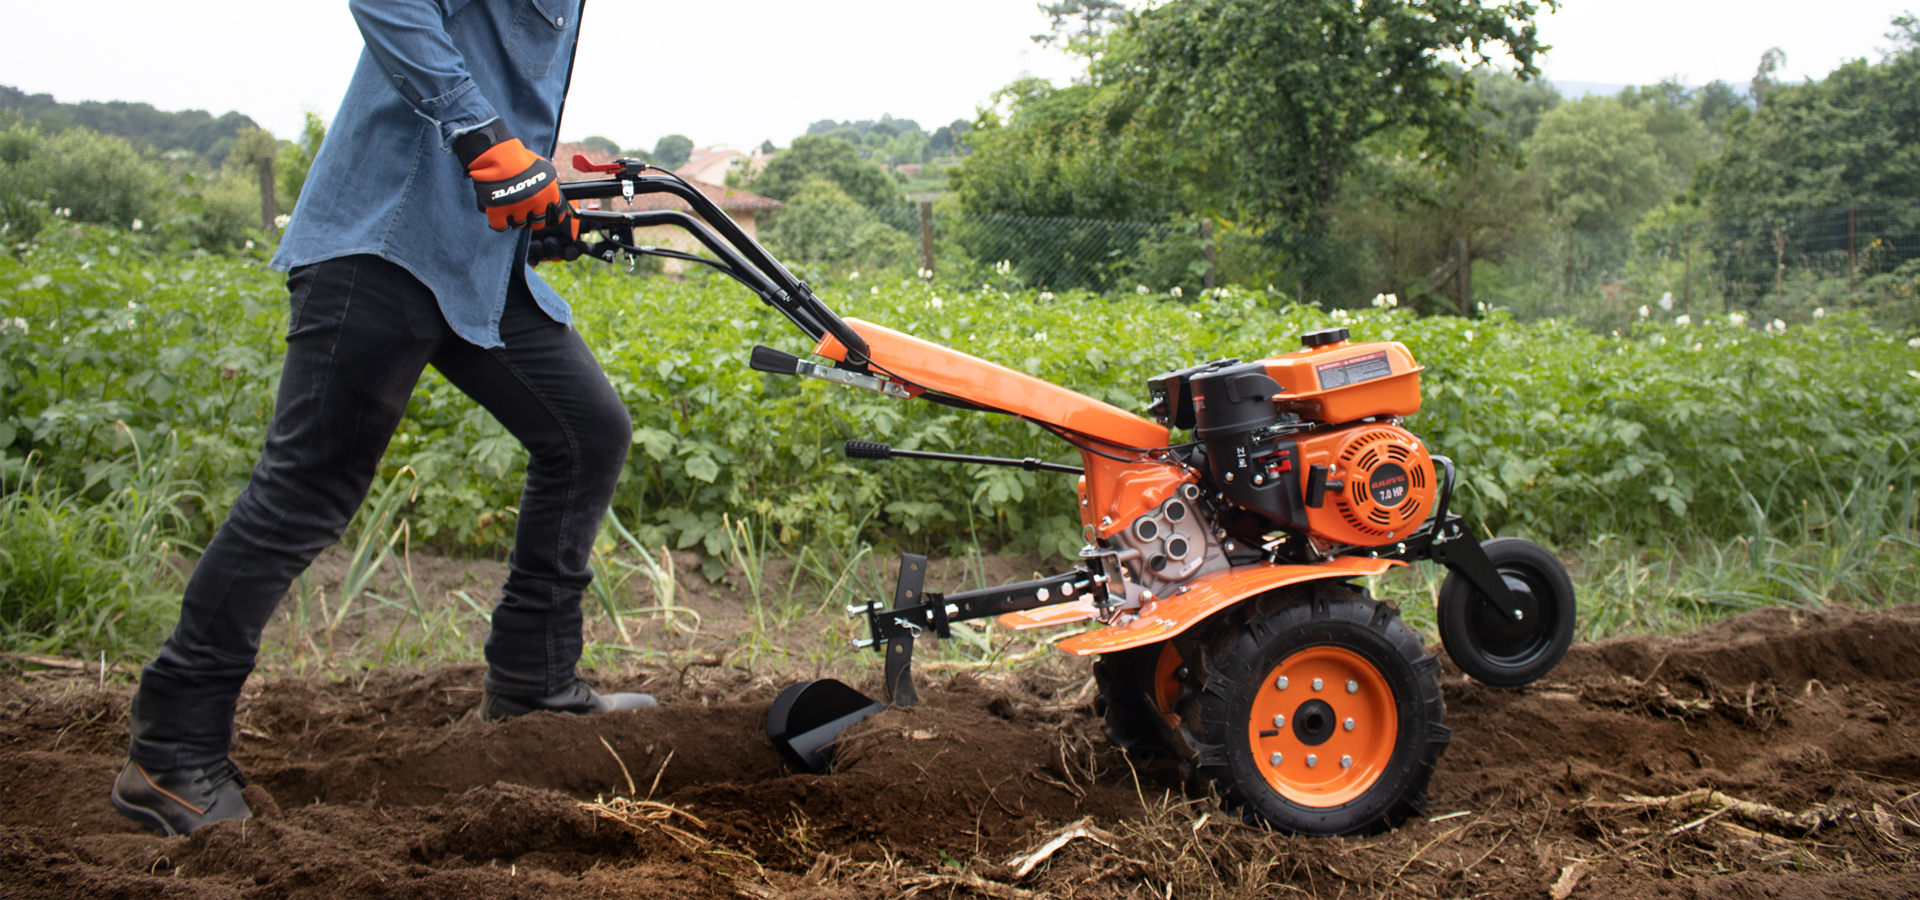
{"x":515,"y":189}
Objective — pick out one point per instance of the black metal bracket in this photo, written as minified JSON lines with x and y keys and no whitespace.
{"x":1449,"y":541}
{"x":916,"y":611}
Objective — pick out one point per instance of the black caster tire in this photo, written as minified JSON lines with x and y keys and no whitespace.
{"x":1360,"y":722}
{"x":1133,"y":697}
{"x":1494,"y":649}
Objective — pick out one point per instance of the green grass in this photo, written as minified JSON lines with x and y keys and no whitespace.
{"x":95,"y":569}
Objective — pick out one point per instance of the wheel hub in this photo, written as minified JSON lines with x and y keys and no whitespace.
{"x":1313,"y":722}
{"x":1340,"y":726}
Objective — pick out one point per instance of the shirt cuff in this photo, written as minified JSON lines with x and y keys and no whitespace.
{"x":457,"y":112}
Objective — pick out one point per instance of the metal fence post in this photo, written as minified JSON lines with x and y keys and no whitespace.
{"x":267,"y":212}
{"x":926,"y":237}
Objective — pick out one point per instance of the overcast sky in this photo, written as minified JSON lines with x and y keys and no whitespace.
{"x":746,"y":70}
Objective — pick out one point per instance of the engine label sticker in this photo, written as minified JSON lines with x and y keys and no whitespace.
{"x":1388,"y":485}
{"x":1354,"y":371}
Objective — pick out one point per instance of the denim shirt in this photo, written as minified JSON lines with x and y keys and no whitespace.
{"x":386,"y":181}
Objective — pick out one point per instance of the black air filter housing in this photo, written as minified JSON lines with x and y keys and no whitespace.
{"x":1172,"y":393}
{"x":1232,"y":405}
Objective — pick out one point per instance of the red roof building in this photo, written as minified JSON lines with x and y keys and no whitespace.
{"x":745,"y":208}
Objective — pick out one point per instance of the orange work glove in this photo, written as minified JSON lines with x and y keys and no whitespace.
{"x":514,"y":186}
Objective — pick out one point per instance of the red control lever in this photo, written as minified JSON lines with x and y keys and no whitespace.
{"x":582,"y":164}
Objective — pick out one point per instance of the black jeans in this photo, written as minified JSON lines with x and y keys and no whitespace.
{"x":361,"y":331}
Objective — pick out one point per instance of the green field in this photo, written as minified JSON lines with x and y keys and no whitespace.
{"x":1691,"y":470}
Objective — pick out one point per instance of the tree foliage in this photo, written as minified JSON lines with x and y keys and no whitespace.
{"x":192,"y":130}
{"x":1068,"y":152}
{"x":829,"y":158}
{"x":672,"y":151}
{"x":822,"y":225}
{"x":1852,"y":137}
{"x":1601,"y":167}
{"x":1286,"y":91}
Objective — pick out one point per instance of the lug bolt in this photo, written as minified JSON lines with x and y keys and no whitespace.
{"x":1317,"y":684}
{"x":1279,"y":721}
{"x":1518,"y":615}
{"x":1276,"y":759}
{"x":1352,"y":686}
{"x":1349,"y":724}
{"x":1312,"y":760}
{"x":1257,"y":478}
{"x":1346,"y":762}
{"x":1280,"y":682}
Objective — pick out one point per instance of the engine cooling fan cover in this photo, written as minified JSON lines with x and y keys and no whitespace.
{"x":1389,"y":485}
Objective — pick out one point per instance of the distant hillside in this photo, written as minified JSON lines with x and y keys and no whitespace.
{"x":194,"y":130}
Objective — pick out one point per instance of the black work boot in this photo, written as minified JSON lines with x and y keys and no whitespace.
{"x":177,"y":801}
{"x":578,"y":700}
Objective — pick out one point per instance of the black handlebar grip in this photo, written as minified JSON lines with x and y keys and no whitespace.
{"x":767,"y":359}
{"x":857,"y":350}
{"x":868,"y":450}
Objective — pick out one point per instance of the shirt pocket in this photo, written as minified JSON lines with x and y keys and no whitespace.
{"x":539,"y":28}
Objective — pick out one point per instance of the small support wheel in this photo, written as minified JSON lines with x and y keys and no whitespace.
{"x":1137,"y":692}
{"x":1494,"y":648}
{"x":1317,"y":712}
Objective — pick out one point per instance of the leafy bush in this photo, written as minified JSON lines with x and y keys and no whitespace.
{"x":90,"y":177}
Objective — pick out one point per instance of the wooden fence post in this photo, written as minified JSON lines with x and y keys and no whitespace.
{"x":926,"y":237}
{"x":1850,"y":257}
{"x":1206,"y":249}
{"x":1686,"y":285}
{"x":267,"y":212}
{"x":1466,"y":277}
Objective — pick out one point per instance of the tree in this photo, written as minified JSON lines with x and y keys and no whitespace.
{"x":767,"y":147}
{"x":1770,"y":62}
{"x":1426,"y":219}
{"x":1600,"y":167}
{"x":295,"y":159}
{"x":1853,"y":137}
{"x":822,"y":225}
{"x":1678,"y":133}
{"x":832,"y":159}
{"x":1511,"y":107}
{"x":671,"y":152}
{"x":1080,"y":24}
{"x":602,"y":144}
{"x":1071,"y":153}
{"x":1286,"y":91}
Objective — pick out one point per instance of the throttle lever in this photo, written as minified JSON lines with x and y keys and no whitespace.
{"x":780,"y":362}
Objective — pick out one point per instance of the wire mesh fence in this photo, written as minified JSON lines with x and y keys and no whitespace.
{"x":1780,"y":266}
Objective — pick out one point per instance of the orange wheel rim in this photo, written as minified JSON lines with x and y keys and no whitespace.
{"x":1166,"y":683}
{"x":1335,"y":731}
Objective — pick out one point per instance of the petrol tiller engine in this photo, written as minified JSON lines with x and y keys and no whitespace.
{"x":1219,"y":573}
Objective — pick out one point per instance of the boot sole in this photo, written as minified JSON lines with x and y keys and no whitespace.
{"x":145,"y":818}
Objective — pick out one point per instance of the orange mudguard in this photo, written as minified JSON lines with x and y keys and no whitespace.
{"x":1206,"y":595}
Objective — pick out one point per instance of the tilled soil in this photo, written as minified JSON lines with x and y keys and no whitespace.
{"x":1773,"y":755}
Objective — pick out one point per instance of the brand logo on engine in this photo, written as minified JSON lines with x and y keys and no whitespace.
{"x":1388,"y":485}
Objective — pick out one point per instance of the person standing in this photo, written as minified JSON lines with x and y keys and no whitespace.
{"x":392,"y":269}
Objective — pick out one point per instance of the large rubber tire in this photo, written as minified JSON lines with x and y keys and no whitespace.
{"x":1358,"y":780}
{"x":1493,"y":648}
{"x":1136,"y":688}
